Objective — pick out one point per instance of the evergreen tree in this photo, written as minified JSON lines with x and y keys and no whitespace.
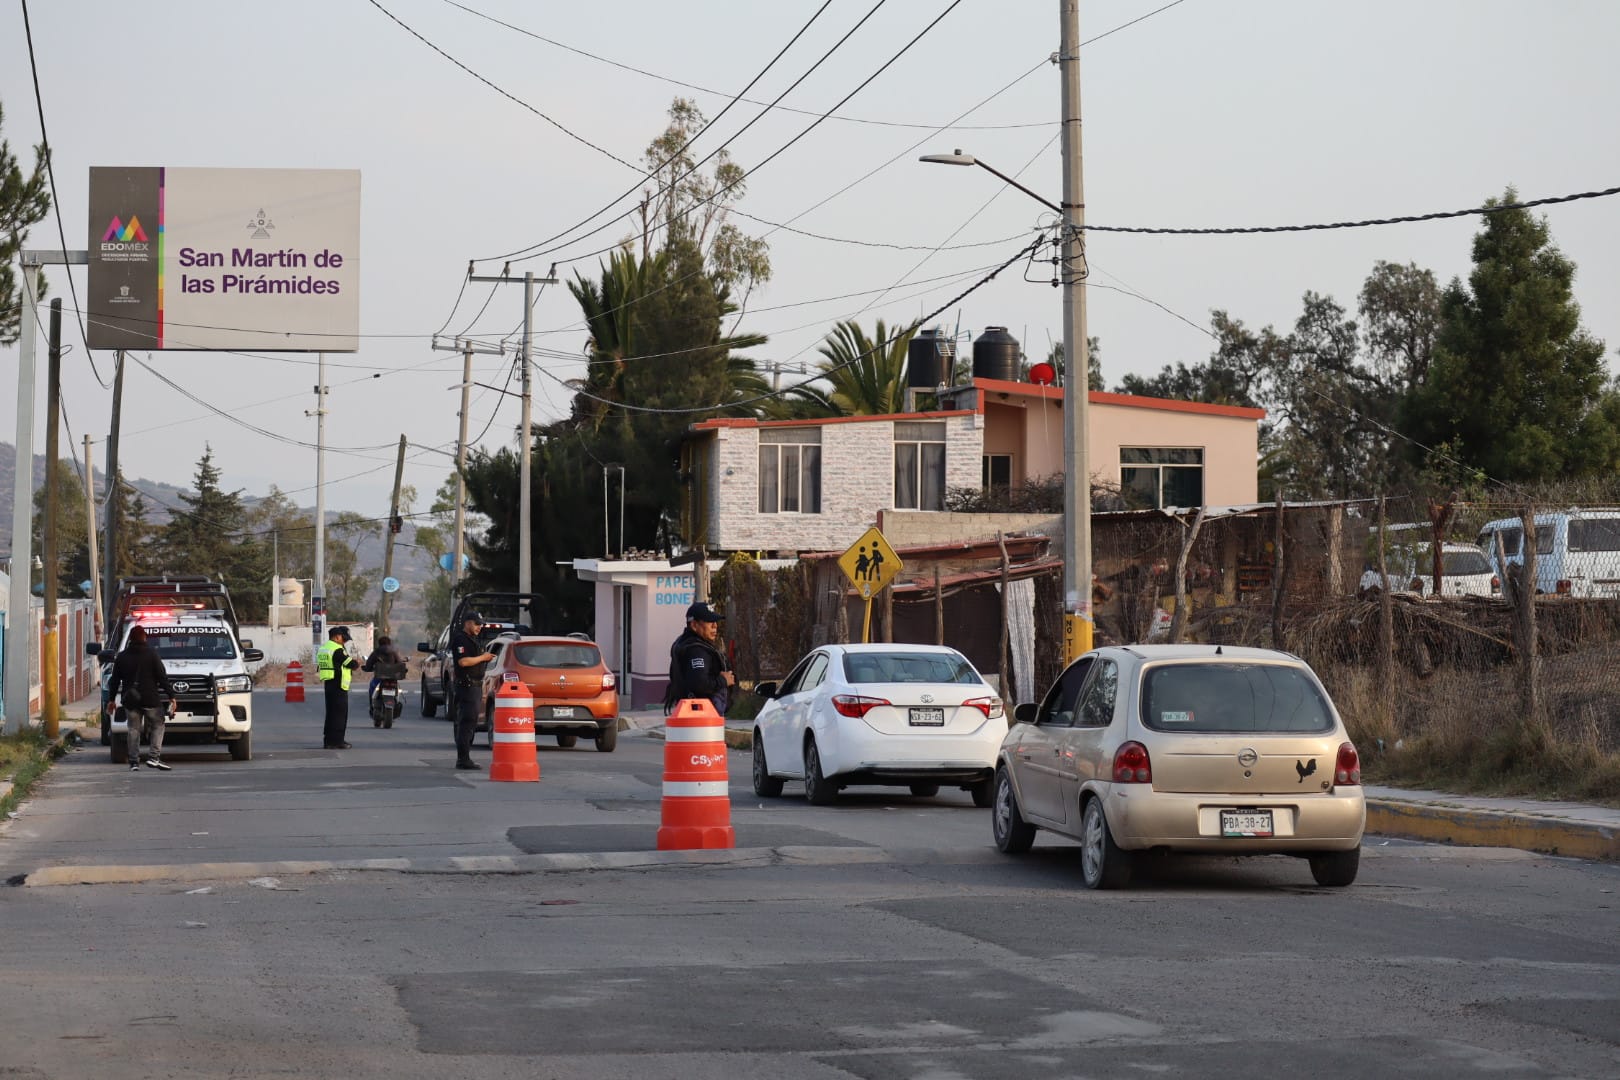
{"x":24,"y":201}
{"x":72,"y":538}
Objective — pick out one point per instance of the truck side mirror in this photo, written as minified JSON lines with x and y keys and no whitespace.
{"x":424,"y":647}
{"x":252,"y":656}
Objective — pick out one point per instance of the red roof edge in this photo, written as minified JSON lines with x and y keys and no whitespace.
{"x":1129,"y":401}
{"x":750,"y":422}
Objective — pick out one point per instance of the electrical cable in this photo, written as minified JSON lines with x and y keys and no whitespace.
{"x":56,"y":203}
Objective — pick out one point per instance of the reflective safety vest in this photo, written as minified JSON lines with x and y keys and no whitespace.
{"x":326,"y":668}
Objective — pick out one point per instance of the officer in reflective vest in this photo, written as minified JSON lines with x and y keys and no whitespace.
{"x":335,"y":667}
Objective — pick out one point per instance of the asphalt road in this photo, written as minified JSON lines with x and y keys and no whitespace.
{"x":879,"y":938}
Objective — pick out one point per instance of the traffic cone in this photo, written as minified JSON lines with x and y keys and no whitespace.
{"x":295,"y":682}
{"x":697,"y":797}
{"x":515,"y":756}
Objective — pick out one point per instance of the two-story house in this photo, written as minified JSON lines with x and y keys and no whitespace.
{"x":814,"y":485}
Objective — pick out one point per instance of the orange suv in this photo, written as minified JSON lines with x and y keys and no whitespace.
{"x":574,"y":692}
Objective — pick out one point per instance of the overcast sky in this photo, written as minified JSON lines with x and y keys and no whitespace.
{"x":1214,"y":112}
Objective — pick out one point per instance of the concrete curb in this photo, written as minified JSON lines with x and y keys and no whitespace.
{"x":736,"y":738}
{"x":1486,"y":828}
{"x":465,"y":864}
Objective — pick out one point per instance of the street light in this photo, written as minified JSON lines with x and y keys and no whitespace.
{"x":1077,"y":624}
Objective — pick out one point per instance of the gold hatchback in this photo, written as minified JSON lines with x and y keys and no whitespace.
{"x":1183,"y":748}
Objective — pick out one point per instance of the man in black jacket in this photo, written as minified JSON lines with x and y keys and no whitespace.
{"x":697,"y":666}
{"x":148,"y":697}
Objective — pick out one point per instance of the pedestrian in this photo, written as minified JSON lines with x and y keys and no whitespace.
{"x":336,"y":667}
{"x":385,"y":653}
{"x":469,"y":656}
{"x":141,"y":685}
{"x":698,"y":668}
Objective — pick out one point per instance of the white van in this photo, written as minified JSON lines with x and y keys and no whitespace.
{"x":1577,"y":551}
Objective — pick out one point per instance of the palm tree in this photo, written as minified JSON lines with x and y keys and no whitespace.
{"x":867,"y":374}
{"x":609,"y":309}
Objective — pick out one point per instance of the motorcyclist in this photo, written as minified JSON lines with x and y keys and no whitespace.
{"x":386,"y":652}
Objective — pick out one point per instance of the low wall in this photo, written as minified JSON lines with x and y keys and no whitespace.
{"x":915,"y":528}
{"x":295,"y":643}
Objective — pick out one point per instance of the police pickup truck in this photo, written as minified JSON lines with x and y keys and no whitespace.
{"x":191,"y":625}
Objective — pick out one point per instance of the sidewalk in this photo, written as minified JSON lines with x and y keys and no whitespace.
{"x":1552,"y":828}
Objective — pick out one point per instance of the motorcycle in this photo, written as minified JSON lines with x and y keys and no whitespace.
{"x":386,"y":700}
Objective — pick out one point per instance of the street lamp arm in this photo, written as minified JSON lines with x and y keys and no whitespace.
{"x":960,"y":158}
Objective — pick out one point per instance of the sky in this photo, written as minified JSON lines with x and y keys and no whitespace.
{"x":1210,"y":113}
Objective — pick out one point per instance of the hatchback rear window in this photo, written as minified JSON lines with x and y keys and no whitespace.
{"x":1460,"y":563}
{"x":908,"y":667}
{"x":1233,"y":697}
{"x":557,"y":656}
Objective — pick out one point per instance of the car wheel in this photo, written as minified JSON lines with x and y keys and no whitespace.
{"x":925,"y":791}
{"x":388,"y":723}
{"x":1013,"y":834}
{"x":489,"y":736}
{"x":766,"y":786}
{"x":428,"y":705}
{"x":1336,"y":869}
{"x":567,"y":741}
{"x":1103,"y":864}
{"x":818,"y":790}
{"x":607,"y":738}
{"x":242,"y":747}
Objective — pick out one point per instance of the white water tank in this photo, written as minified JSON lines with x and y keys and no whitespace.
{"x":289,"y":592}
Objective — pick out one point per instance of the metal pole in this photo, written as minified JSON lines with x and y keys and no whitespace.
{"x":607,"y":544}
{"x":317,"y":606}
{"x":621,"y":511}
{"x":1077,"y":620}
{"x":114,"y":506}
{"x":388,"y":542}
{"x":95,"y":548}
{"x":461,"y":471}
{"x":50,"y":687}
{"x":19,"y":621}
{"x":275,"y":583}
{"x":525,"y":537}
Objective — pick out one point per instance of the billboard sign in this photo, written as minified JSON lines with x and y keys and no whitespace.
{"x":265,"y":259}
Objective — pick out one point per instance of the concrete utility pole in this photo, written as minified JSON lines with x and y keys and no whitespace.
{"x":95,"y":561}
{"x":114,"y":521}
{"x":50,"y":704}
{"x":526,"y":448}
{"x":317,"y":599}
{"x":467,"y":350}
{"x":388,"y":536}
{"x":1077,"y":620}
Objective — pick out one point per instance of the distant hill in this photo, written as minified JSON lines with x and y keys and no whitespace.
{"x":8,"y":470}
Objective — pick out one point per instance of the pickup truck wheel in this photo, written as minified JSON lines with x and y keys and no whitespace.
{"x":429,"y":706}
{"x":242,"y":747}
{"x":607,"y":738}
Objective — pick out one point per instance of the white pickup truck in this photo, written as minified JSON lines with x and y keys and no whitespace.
{"x":190,"y":624}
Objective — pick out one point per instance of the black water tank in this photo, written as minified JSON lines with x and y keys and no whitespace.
{"x":929,"y":359}
{"x":996,"y":355}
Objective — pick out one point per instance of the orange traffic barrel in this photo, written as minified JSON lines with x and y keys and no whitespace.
{"x":295,"y":681}
{"x":697,"y":797}
{"x":515,"y":756}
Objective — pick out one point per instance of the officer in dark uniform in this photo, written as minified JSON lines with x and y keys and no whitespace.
{"x":469,"y":657}
{"x":698,"y":667}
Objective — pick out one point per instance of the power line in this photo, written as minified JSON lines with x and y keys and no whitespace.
{"x":56,"y":203}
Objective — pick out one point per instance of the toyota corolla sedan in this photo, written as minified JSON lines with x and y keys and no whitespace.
{"x":1183,"y":748}
{"x":916,"y":716}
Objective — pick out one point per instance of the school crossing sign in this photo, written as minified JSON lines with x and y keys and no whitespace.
{"x":870,"y":564}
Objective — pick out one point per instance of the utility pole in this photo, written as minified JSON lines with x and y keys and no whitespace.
{"x":90,"y":529}
{"x":49,"y":688}
{"x":388,"y":537}
{"x":317,"y":599}
{"x":1077,"y":620}
{"x":467,"y":350}
{"x":114,"y":520}
{"x":526,"y":448}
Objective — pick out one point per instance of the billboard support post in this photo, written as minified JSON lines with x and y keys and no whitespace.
{"x":317,"y":600}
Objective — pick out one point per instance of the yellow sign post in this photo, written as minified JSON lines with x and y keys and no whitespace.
{"x":870,"y":564}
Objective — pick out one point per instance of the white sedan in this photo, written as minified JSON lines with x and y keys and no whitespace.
{"x":915,"y":716}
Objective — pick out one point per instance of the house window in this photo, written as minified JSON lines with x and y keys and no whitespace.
{"x":1156,"y":477}
{"x":997,"y":472}
{"x":790,"y":470}
{"x":919,"y":465}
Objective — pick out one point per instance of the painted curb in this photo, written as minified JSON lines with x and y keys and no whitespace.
{"x":465,"y":864}
{"x":1484,"y":828}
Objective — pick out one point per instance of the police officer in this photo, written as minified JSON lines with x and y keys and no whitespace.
{"x":335,"y":667}
{"x":469,"y":656}
{"x":697,"y":666}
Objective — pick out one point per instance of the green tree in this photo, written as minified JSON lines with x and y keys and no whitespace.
{"x":135,"y":530}
{"x":72,"y":542}
{"x":25,"y":199}
{"x":1517,"y":387}
{"x":210,"y":535}
{"x":1054,"y":356}
{"x":867,"y":375}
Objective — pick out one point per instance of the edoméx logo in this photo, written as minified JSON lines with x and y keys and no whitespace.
{"x":125,"y":243}
{"x":118,"y":231}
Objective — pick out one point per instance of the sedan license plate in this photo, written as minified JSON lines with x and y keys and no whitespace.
{"x":1246,"y":823}
{"x":562,"y":712}
{"x":927,"y":717}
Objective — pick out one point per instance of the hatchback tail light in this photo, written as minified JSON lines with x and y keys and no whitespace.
{"x":990,"y":706}
{"x":1347,"y":771}
{"x":855,"y":705}
{"x":1131,"y":764}
{"x":608,"y":681}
